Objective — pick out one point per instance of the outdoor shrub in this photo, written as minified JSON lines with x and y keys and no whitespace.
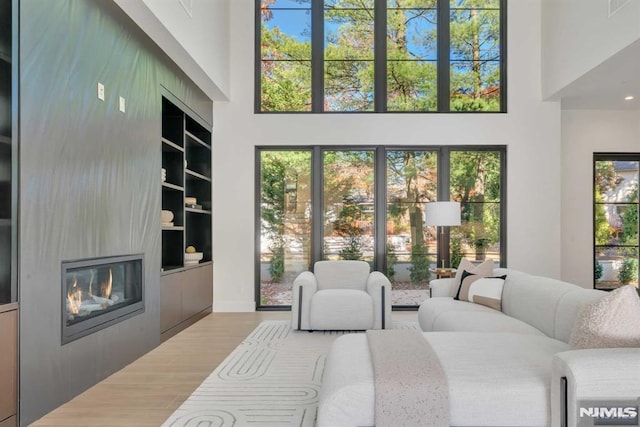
{"x":420,"y":264}
{"x":597,"y":270}
{"x":628,"y":271}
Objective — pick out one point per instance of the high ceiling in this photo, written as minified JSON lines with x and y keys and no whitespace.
{"x":606,"y":86}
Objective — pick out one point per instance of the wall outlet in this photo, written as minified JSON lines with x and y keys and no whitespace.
{"x":122,"y":104}
{"x":100,"y":91}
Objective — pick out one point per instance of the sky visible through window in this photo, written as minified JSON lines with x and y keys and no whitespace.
{"x":293,"y":17}
{"x":411,"y":77}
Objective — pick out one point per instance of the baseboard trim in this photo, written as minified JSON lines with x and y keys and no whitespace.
{"x":234,"y":306}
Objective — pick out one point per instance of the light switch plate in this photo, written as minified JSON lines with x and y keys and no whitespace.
{"x":122,"y":104}
{"x":100,"y":91}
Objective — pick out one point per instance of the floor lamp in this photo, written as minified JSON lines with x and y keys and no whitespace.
{"x":442,"y":214}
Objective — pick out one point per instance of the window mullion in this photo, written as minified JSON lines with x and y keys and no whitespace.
{"x":503,"y":56}
{"x":444,"y":57}
{"x":317,"y":205}
{"x":380,"y":56}
{"x":444,"y":194}
{"x":257,"y":102}
{"x":317,"y":56}
{"x":380,"y":236}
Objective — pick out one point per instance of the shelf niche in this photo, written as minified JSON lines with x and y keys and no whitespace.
{"x":186,"y":158}
{"x":186,"y":291}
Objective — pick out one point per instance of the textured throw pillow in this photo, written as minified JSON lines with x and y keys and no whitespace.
{"x":609,"y":322}
{"x":481,"y":290}
{"x":484,"y":269}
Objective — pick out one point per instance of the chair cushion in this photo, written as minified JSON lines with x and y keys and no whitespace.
{"x":341,"y":309}
{"x":341,"y":274}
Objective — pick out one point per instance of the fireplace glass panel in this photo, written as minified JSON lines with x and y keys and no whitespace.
{"x":100,"y":292}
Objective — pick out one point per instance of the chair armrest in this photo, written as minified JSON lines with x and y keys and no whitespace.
{"x":593,"y":374}
{"x":379,"y":287}
{"x":442,"y":287}
{"x":306,"y":284}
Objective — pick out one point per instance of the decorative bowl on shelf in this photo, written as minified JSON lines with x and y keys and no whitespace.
{"x":167,"y":216}
{"x":192,"y":258}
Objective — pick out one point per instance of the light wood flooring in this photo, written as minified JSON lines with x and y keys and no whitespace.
{"x":146,"y":392}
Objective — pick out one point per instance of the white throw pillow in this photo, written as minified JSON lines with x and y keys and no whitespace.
{"x":484,"y":269}
{"x":610,"y":322}
{"x":481,"y":290}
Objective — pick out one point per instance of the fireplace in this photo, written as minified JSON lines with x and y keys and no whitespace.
{"x":99,"y":292}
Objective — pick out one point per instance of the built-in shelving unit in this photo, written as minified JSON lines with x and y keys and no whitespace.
{"x":7,"y":293}
{"x":186,"y":288}
{"x":8,"y":287}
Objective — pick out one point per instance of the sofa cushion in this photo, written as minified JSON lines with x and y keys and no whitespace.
{"x":568,"y":307}
{"x":481,"y":290}
{"x":481,"y":321}
{"x":433,"y":308}
{"x":534,"y":299}
{"x":497,"y":378}
{"x":494,"y":378}
{"x":611,"y":321}
{"x":341,"y":309}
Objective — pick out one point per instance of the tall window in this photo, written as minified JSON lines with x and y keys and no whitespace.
{"x":348,"y":204}
{"x":369,"y":204}
{"x":380,"y":55}
{"x":412,"y":182}
{"x":476,"y":182}
{"x":615,"y":225}
{"x":285,"y":221}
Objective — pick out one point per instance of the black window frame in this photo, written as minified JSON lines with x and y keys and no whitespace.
{"x":380,"y":191}
{"x":380,"y":62}
{"x":613,"y":157}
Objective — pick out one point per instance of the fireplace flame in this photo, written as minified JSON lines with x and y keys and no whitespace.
{"x":74,"y":298}
{"x":93,"y":276}
{"x":105,"y":288}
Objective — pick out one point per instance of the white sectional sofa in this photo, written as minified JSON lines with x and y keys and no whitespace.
{"x":511,"y":367}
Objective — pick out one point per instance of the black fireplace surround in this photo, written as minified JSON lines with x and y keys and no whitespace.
{"x":100,"y":292}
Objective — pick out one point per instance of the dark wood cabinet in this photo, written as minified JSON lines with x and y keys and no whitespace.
{"x":7,"y":151}
{"x":8,"y":364}
{"x":185,"y":297}
{"x":8,"y":176}
{"x":186,"y":291}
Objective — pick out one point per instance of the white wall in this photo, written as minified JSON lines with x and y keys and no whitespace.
{"x":196,"y":38}
{"x":531,"y":130}
{"x":578,"y":35}
{"x":585,"y":132}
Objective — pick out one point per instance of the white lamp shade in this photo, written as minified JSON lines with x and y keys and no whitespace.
{"x":442,"y":213}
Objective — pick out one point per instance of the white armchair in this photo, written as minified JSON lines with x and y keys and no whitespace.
{"x":341,"y":295}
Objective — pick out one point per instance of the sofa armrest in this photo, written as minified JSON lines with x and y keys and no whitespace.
{"x":442,"y":287}
{"x":593,"y":374}
{"x":304,"y":287}
{"x":379,"y":287}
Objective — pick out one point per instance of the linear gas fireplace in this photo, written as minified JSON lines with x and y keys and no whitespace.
{"x":100,"y":292}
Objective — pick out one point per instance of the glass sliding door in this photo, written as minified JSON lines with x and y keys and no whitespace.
{"x":616,"y":220}
{"x":412,"y":181}
{"x":476,"y":182}
{"x":285,"y":222}
{"x":348,"y":205}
